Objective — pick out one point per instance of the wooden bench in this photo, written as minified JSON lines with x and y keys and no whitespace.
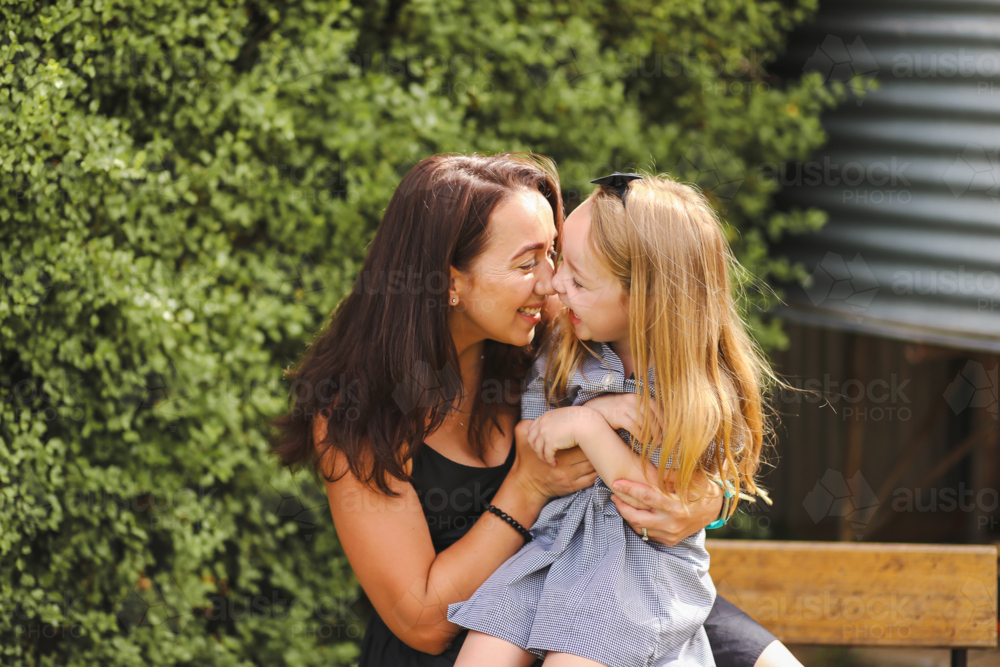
{"x":848,"y":594}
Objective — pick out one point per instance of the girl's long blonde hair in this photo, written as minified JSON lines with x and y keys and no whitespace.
{"x":668,"y":250}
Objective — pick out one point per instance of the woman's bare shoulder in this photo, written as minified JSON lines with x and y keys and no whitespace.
{"x":333,"y":463}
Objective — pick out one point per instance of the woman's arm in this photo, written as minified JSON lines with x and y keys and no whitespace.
{"x":388,"y":542}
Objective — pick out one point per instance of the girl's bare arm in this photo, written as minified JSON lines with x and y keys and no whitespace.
{"x":581,"y":426}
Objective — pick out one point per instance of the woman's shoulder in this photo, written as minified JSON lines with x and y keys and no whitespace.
{"x":335,"y":465}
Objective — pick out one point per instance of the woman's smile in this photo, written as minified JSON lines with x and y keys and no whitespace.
{"x":531,"y":314}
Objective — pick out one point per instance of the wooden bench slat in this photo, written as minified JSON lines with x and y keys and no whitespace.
{"x":862,"y":594}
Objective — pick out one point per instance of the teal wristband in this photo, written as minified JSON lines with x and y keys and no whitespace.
{"x":727,"y":503}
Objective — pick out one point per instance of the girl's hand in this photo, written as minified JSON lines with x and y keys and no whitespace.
{"x":620,"y":411}
{"x":557,"y":430}
{"x":572,"y":472}
{"x":665,"y":519}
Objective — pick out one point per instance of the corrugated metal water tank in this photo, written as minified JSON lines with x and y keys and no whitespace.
{"x":909,"y":176}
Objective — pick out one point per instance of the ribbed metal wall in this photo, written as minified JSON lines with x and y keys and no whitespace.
{"x":909,"y":176}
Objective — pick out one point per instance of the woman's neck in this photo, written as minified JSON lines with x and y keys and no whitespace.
{"x":469,"y":342}
{"x":470,"y":366}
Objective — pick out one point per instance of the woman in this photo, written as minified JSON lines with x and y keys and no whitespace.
{"x":420,"y":442}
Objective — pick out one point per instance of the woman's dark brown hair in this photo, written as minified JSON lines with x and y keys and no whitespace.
{"x":385,"y":372}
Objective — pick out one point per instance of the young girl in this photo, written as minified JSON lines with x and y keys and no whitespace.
{"x":646,"y":280}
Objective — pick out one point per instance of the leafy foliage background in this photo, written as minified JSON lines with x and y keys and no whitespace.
{"x":188,"y":188}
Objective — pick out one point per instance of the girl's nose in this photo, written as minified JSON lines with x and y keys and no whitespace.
{"x":557,"y":280}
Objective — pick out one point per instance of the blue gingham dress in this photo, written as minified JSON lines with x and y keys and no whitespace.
{"x":587,"y":584}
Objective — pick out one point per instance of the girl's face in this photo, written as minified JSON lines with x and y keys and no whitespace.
{"x":502,"y":294}
{"x":597,"y":301}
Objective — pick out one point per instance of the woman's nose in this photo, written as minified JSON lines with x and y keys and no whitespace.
{"x":546,"y":274}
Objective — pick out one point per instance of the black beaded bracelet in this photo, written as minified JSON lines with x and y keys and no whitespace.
{"x":513,"y":522}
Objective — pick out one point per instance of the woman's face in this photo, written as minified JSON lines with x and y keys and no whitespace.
{"x":502,"y":293}
{"x":597,"y":301}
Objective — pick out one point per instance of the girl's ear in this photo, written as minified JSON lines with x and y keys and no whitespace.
{"x":626,"y":296}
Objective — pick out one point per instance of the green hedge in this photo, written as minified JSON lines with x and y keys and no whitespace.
{"x":187,"y":189}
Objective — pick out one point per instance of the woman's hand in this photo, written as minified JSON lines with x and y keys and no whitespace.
{"x":619,"y":410}
{"x":665,"y":519}
{"x":571,"y":472}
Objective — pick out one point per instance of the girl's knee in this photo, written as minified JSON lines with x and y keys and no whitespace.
{"x":554,"y":659}
{"x":482,"y":649}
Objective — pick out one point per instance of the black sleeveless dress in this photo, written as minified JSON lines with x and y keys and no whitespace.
{"x":453,"y":497}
